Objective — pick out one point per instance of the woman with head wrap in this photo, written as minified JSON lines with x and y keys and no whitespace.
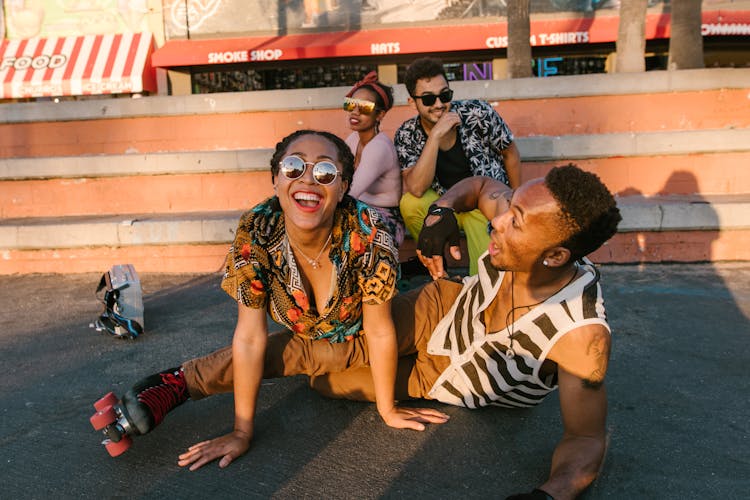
{"x":377,"y":176}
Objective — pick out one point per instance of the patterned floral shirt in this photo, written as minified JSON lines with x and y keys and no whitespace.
{"x":483,"y":133}
{"x":261,"y":271}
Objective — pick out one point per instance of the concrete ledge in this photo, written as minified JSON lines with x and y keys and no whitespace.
{"x":116,"y":231}
{"x":608,"y":84}
{"x":330,"y":98}
{"x":657,"y":214}
{"x":566,"y":147}
{"x":572,"y":147}
{"x":135,"y":164}
{"x":684,"y":213}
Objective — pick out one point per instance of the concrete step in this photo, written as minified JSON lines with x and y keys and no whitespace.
{"x":131,"y":237}
{"x":533,"y":149}
{"x":659,"y":213}
{"x":188,"y":162}
{"x":118,"y":230}
{"x":684,"y":213}
{"x":707,"y":162}
{"x":181,"y":169}
{"x":584,"y":104}
{"x":134,"y":183}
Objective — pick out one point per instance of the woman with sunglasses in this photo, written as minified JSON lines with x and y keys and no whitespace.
{"x":319,"y":262}
{"x":377,"y":176}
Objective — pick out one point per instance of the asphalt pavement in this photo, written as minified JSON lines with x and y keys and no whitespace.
{"x":678,"y":398}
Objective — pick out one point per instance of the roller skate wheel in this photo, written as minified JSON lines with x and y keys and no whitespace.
{"x":109,"y":399}
{"x":115,"y":449}
{"x":103,"y":418}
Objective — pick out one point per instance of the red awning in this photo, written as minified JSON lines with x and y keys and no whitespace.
{"x":424,"y":39}
{"x":77,"y":65}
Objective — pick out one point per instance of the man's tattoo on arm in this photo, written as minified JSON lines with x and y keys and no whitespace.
{"x":506,"y":194}
{"x":502,"y":196}
{"x":599,"y":349}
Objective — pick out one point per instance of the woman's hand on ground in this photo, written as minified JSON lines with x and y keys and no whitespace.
{"x":413,"y":418}
{"x":226,"y":448}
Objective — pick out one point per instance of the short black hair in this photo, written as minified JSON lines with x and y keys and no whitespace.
{"x":589,"y":211}
{"x":424,"y":67}
{"x":345,"y":155}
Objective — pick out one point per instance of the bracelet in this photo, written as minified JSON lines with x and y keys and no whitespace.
{"x":438,"y":210}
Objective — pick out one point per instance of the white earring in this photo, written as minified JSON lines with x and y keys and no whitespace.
{"x":545,"y":263}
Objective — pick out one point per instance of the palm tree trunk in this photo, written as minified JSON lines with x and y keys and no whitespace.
{"x":519,"y":46}
{"x":631,"y":37}
{"x":686,"y":40}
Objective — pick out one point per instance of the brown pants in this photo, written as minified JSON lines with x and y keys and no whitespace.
{"x":342,"y":370}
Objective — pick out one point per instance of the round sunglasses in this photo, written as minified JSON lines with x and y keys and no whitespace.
{"x":429,"y":99}
{"x":293,"y":167}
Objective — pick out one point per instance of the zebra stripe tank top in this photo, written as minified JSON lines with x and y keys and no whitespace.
{"x":484,"y":370}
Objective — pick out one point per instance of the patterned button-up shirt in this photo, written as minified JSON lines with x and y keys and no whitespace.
{"x":261,"y":272}
{"x":483,"y":134}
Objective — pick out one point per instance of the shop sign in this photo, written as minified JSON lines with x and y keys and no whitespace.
{"x":81,"y":65}
{"x":39,"y":62}
{"x":538,"y":39}
{"x":228,"y":57}
{"x":548,"y":65}
{"x":564,"y":38}
{"x":239,"y":56}
{"x":85,"y":87}
{"x":725,"y":29}
{"x":107,"y":87}
{"x":436,"y":39}
{"x":266,"y":55}
{"x":482,"y":71}
{"x":385,"y":48}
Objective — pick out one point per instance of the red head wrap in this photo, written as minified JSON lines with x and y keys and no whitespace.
{"x":371,"y":81}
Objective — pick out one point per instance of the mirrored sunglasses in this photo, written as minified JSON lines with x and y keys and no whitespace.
{"x":293,"y":167}
{"x":365,"y":107}
{"x":429,"y":99}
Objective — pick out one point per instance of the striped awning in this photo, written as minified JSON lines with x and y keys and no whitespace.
{"x":77,"y":65}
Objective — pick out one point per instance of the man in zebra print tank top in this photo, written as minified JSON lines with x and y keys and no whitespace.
{"x":530,"y":322}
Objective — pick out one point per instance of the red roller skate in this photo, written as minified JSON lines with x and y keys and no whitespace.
{"x":141,"y":409}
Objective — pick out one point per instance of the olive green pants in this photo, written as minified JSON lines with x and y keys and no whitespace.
{"x":473,"y":224}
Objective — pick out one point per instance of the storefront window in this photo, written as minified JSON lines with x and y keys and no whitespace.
{"x":333,"y":75}
{"x":459,"y":71}
{"x":344,"y":75}
{"x":555,"y":66}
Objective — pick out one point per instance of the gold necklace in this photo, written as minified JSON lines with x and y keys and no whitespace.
{"x":315,"y":263}
{"x":508,"y":326}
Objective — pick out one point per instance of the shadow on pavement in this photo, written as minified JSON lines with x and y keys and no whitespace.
{"x":677,"y":385}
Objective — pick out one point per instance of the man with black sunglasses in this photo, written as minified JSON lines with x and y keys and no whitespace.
{"x":446,"y":142}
